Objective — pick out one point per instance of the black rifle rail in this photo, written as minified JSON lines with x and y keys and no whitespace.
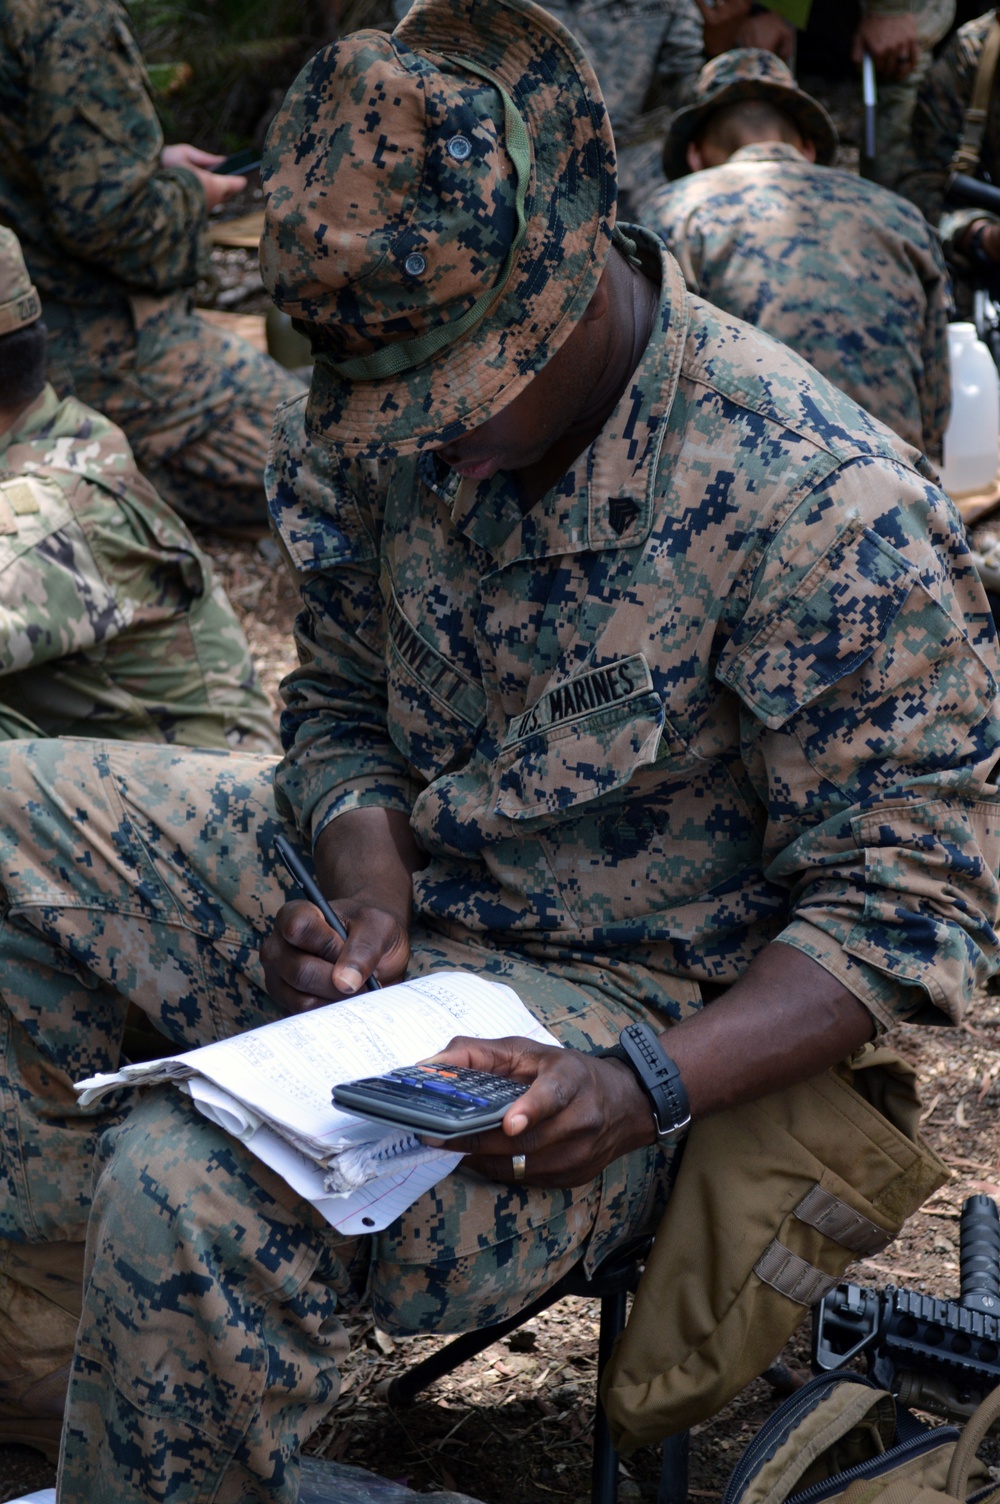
{"x":917,"y":1333}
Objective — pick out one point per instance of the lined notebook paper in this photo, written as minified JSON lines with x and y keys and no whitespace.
{"x":271,"y":1089}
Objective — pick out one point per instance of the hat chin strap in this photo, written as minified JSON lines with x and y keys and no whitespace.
{"x":406,"y":355}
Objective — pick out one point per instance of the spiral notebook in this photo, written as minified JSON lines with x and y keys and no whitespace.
{"x":270,"y":1088}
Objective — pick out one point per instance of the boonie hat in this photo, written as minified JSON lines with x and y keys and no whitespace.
{"x":439,"y":207}
{"x":19,"y":302}
{"x":747,"y":73}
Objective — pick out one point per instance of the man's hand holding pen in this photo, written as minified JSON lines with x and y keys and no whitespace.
{"x":364,"y":861}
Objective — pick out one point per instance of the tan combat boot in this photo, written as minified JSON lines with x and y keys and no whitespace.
{"x":40,"y":1292}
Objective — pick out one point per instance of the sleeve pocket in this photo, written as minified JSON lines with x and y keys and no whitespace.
{"x":782,"y":656}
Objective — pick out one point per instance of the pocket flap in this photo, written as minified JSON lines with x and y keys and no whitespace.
{"x":583,"y":738}
{"x":785,"y":654}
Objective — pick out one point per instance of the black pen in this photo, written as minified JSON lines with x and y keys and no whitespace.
{"x":307,"y":883}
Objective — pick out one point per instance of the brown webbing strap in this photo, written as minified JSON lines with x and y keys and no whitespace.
{"x":969,"y":1444}
{"x":966,"y":158}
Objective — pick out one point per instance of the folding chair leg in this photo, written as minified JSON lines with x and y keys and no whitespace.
{"x":604,"y":1479}
{"x":404,"y":1388}
{"x":674,"y":1472}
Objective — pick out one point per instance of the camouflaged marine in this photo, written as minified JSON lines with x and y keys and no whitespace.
{"x":839,"y":269}
{"x":646,"y":58}
{"x":938,"y":124}
{"x":112,"y":622}
{"x":638,"y":666}
{"x":115,"y":242}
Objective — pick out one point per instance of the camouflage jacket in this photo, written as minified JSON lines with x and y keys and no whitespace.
{"x":843,"y":271}
{"x":938,"y":123}
{"x":644,"y":52}
{"x":80,"y":176}
{"x":734,"y":679}
{"x":113,"y":625}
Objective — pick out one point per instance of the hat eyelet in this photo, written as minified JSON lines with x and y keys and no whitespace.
{"x":415,"y":265}
{"x":459,"y":148}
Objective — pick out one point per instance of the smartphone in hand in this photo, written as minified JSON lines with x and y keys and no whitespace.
{"x":239,"y":164}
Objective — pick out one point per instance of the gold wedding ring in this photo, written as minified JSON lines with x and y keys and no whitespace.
{"x":517,"y":1165}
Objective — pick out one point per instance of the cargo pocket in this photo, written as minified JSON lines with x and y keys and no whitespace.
{"x":786,"y":653}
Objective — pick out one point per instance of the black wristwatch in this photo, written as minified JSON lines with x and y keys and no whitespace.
{"x":639,"y":1049}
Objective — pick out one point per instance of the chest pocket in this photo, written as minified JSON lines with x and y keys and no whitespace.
{"x":435,"y":710}
{"x":584,"y":738}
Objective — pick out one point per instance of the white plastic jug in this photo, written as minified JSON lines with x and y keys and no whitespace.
{"x":972,"y":437}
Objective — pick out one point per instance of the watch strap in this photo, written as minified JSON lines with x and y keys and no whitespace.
{"x":658,"y":1075}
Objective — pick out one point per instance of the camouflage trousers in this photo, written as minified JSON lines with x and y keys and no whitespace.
{"x":196,"y":403}
{"x":209,"y":1341}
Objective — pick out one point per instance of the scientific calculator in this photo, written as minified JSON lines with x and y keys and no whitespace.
{"x":445,"y":1101}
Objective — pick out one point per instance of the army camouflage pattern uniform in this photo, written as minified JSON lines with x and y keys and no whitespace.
{"x":938,"y":123}
{"x":732,"y":678}
{"x":843,"y":271}
{"x":660,"y":733}
{"x":113,"y":624}
{"x":115,"y":242}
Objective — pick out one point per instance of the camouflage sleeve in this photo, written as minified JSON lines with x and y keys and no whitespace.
{"x":672,"y":214}
{"x":938,"y":123}
{"x":934,"y":381}
{"x":868,"y":675}
{"x":338,"y":752}
{"x":94,"y":141}
{"x":681,"y":56}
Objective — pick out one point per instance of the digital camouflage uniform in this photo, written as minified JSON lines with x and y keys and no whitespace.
{"x":113,"y":624}
{"x":651,"y":754}
{"x":732,"y":678}
{"x":896,"y":101}
{"x":828,"y":38}
{"x":115,"y":242}
{"x":843,"y":271}
{"x":938,"y":123}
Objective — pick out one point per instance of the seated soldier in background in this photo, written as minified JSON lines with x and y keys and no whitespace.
{"x":113,"y":228}
{"x":111,"y":623}
{"x":841,"y":270}
{"x":970,"y":236}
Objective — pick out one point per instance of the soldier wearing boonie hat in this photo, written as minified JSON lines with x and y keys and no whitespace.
{"x":637,"y":665}
{"x":740,"y":74}
{"x":844,"y":272}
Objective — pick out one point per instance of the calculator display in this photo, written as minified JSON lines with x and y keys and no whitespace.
{"x":445,"y":1101}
